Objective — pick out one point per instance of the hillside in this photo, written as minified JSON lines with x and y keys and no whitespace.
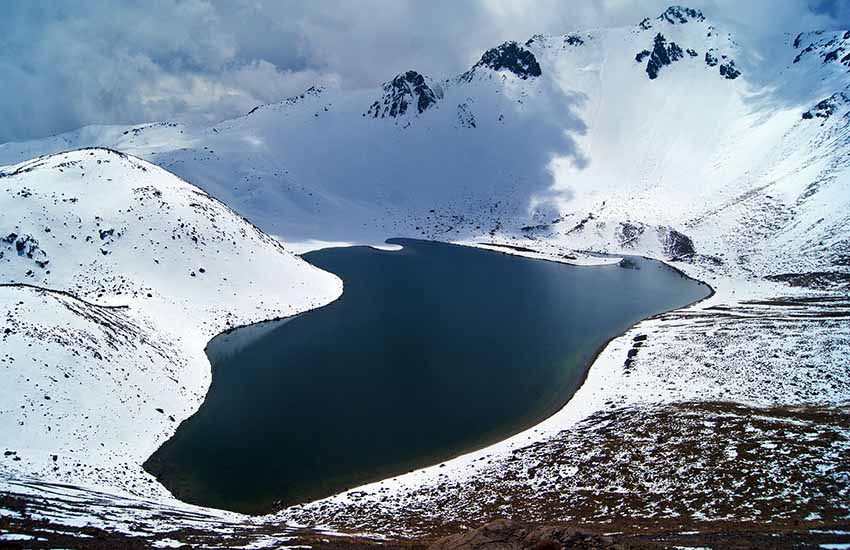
{"x":115,"y":274}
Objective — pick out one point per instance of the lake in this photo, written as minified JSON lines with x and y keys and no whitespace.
{"x":431,"y":351}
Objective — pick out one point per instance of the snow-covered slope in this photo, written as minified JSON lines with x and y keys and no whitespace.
{"x":115,"y":274}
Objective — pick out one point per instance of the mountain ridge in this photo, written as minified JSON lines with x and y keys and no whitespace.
{"x":542,"y":142}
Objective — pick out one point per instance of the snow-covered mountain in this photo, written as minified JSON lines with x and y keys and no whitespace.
{"x":610,"y":138}
{"x":676,"y":138}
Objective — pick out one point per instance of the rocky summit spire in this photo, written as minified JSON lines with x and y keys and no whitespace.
{"x":512,"y":57}
{"x":405,"y":90}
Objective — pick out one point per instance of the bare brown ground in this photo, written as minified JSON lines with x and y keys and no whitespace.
{"x":715,"y":475}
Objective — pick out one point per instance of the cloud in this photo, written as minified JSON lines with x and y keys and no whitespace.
{"x":65,"y":63}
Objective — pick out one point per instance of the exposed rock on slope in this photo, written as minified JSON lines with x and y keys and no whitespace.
{"x":408,"y":89}
{"x":662,"y":54}
{"x":827,"y":107}
{"x":513,"y":58}
{"x":828,"y":47}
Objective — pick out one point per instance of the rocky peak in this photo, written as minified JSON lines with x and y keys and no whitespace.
{"x":674,"y":15}
{"x":680,"y":15}
{"x":405,"y":90}
{"x":512,"y":57}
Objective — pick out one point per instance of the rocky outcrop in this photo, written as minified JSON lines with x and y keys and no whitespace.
{"x":676,"y":245}
{"x":627,"y":234}
{"x":23,"y":246}
{"x":465,"y":118}
{"x":406,"y":90}
{"x":727,"y":68}
{"x":680,"y":15}
{"x":510,"y":57}
{"x":829,"y":47}
{"x":574,"y":40}
{"x":827,"y":107}
{"x":662,"y":54}
{"x":729,"y":71}
{"x":674,"y":15}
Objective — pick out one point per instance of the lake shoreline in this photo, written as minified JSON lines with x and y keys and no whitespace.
{"x":485,"y":441}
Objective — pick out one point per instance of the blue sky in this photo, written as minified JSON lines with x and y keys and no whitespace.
{"x":66,"y":64}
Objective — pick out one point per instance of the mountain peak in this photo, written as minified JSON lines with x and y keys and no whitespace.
{"x":680,"y":15}
{"x":408,"y":88}
{"x":512,"y":57}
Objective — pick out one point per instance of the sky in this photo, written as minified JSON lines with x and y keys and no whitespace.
{"x":66,"y":64}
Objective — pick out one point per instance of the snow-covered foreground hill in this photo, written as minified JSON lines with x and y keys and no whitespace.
{"x":674,"y":138}
{"x":115,"y":274}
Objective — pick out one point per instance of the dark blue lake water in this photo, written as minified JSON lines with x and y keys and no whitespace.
{"x":431,"y":351}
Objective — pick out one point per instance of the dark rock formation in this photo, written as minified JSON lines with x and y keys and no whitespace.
{"x":833,"y":55}
{"x":827,"y":107}
{"x":512,"y":57}
{"x":799,"y":56}
{"x":573,"y":40}
{"x":729,"y":71}
{"x":464,"y":116}
{"x":401,"y":92}
{"x":829,"y":46}
{"x":24,"y":246}
{"x":628,"y":233}
{"x":662,"y":54}
{"x":681,"y":14}
{"x":676,"y":246}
